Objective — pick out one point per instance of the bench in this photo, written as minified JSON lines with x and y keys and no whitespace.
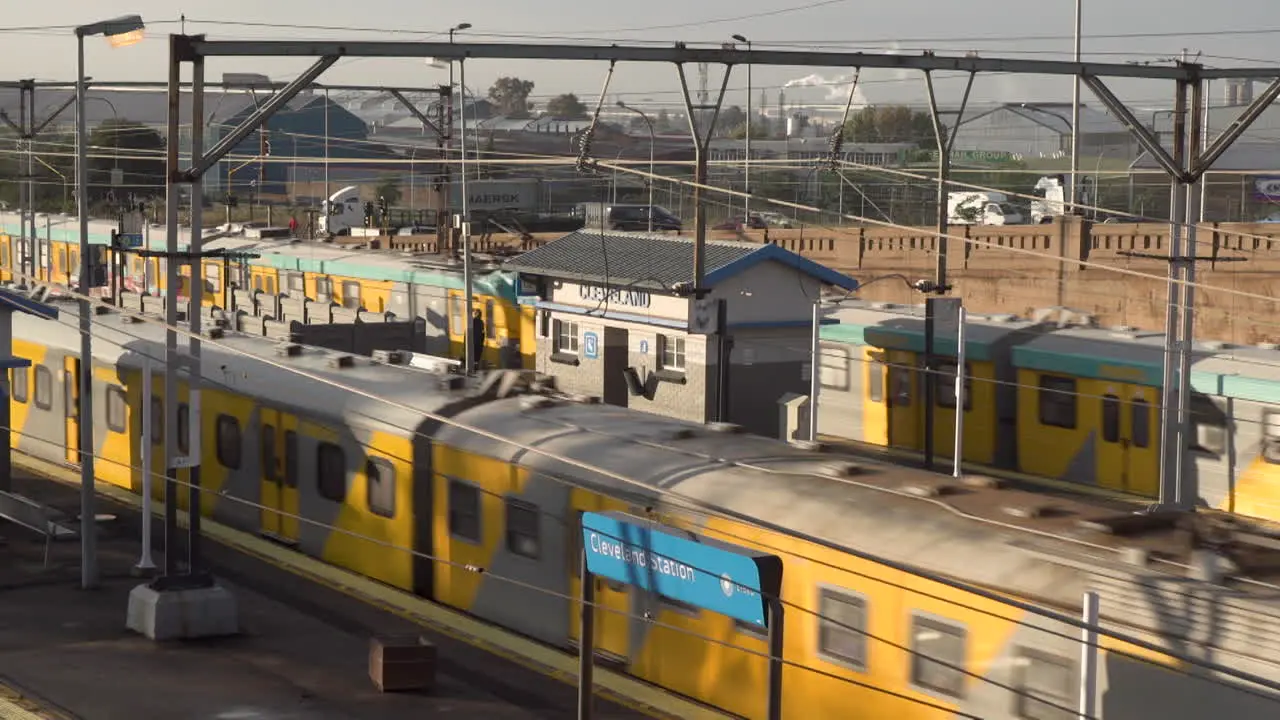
{"x":35,"y":517}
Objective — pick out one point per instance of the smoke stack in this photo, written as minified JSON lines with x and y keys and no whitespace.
{"x":1246,"y":91}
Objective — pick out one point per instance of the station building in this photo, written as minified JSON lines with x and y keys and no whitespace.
{"x":615,"y":319}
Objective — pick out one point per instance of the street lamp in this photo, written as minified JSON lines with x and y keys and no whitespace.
{"x":121,"y":31}
{"x":649,"y":123}
{"x":1075,"y":114}
{"x":462,"y":100}
{"x":746,"y":168}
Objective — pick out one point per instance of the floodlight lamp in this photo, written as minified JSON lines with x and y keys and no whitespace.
{"x":128,"y":28}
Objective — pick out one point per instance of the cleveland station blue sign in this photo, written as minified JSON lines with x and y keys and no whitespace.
{"x":698,"y":571}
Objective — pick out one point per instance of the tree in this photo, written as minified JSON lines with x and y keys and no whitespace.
{"x":389,"y":188}
{"x":133,"y":153}
{"x":732,"y":121}
{"x":511,"y":96}
{"x":891,"y":124}
{"x":566,"y":106}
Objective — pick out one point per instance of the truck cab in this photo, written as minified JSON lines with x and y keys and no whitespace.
{"x":981,"y":208}
{"x":342,"y":212}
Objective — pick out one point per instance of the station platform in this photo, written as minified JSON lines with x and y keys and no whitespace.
{"x":303,"y":650}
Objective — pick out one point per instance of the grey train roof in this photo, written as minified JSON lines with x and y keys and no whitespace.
{"x":246,"y":364}
{"x":864,"y":505}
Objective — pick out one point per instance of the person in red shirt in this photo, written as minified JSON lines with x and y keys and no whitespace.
{"x":293,"y":226}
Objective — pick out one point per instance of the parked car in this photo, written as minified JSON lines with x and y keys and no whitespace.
{"x":751,"y":222}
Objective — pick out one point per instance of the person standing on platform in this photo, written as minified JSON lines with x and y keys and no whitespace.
{"x":293,"y":227}
{"x":477,"y":339}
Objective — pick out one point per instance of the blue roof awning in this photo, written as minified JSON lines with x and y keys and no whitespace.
{"x":11,"y":301}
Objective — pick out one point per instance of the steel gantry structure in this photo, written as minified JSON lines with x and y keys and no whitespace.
{"x":1185,"y":164}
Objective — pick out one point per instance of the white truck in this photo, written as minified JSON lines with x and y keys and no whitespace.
{"x":342,"y":212}
{"x":981,"y":208}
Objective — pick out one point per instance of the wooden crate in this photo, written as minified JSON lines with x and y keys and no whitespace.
{"x":401,"y":663}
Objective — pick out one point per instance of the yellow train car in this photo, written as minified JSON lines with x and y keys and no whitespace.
{"x":895,"y":605}
{"x":365,"y":279}
{"x":1057,"y":401}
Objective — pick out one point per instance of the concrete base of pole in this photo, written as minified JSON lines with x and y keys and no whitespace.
{"x":187,"y":614}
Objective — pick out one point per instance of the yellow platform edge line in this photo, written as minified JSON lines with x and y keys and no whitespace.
{"x":609,"y":684}
{"x":16,"y":706}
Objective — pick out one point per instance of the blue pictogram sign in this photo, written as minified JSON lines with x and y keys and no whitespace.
{"x":591,"y":345}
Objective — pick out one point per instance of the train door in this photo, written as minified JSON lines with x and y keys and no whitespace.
{"x":1144,"y":448}
{"x":875,"y":415}
{"x":944,"y":402}
{"x":71,"y":402}
{"x":613,"y":616}
{"x":6,"y":253}
{"x":1127,"y":448}
{"x":279,"y":488}
{"x":905,"y":416}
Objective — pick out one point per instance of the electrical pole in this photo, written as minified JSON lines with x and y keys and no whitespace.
{"x":1075,"y":124}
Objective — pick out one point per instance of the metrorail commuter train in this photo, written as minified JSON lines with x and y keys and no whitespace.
{"x":1058,"y":400}
{"x":425,"y":285}
{"x":284,"y":438}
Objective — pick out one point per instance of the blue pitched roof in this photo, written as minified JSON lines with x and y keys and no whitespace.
{"x":11,"y":300}
{"x":661,"y":262}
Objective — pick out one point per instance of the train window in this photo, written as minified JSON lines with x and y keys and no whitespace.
{"x":213,"y":277}
{"x":18,"y":385}
{"x":227,"y":440}
{"x":1045,"y":686}
{"x":464,"y":511}
{"x":900,"y":384}
{"x":381,"y":492}
{"x":944,"y":388}
{"x":457,"y":327}
{"x":523,"y":535}
{"x":937,"y":656}
{"x":157,"y":420}
{"x":257,"y":283}
{"x":117,"y":416}
{"x":70,"y":395}
{"x":44,"y":388}
{"x":842,"y":628}
{"x":1211,"y":425}
{"x":565,"y":337}
{"x":297,"y":283}
{"x":1141,"y":419}
{"x":833,"y":368}
{"x":184,"y":428}
{"x":271,"y":285}
{"x":491,"y":324}
{"x":875,"y":381}
{"x":351,"y":295}
{"x":270,"y":464}
{"x":324,"y":285}
{"x":573,"y":543}
{"x":290,"y":459}
{"x":1058,"y":402}
{"x":331,"y":472}
{"x":1110,"y":418}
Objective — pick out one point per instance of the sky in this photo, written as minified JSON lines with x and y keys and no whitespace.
{"x":38,"y":42}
